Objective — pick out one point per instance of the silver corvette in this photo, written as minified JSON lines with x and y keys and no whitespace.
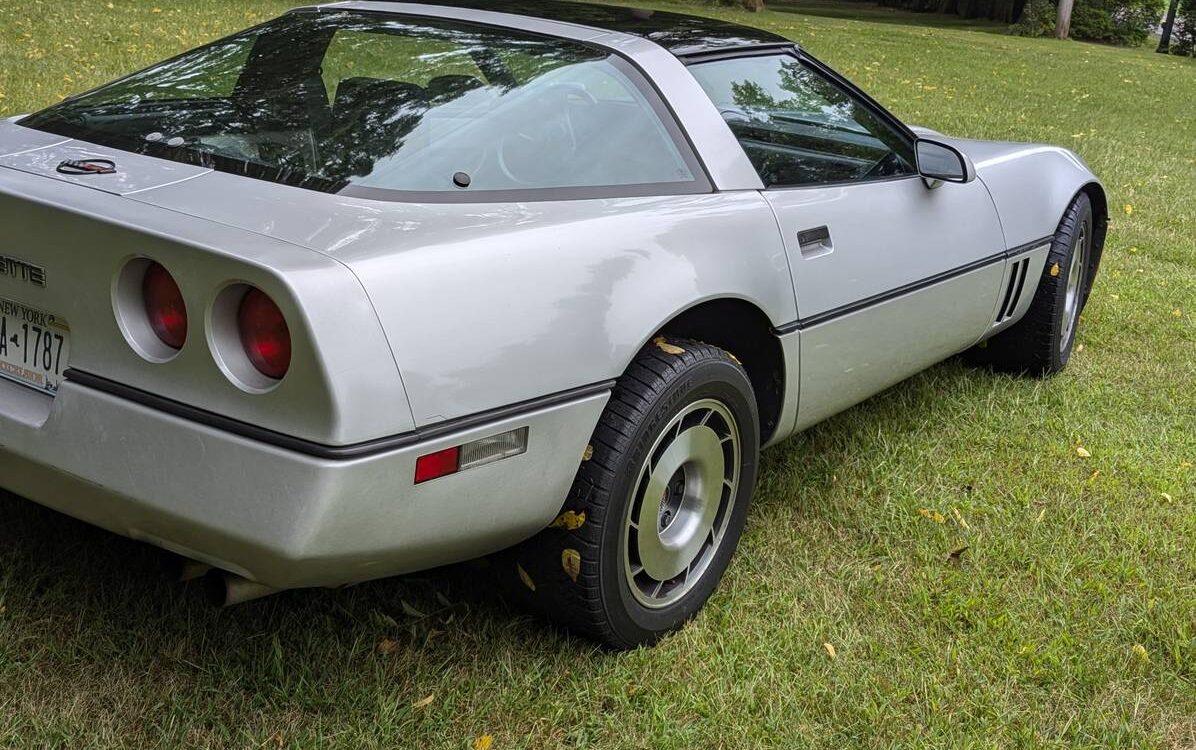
{"x":375,"y":287}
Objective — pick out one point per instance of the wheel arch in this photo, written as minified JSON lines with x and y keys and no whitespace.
{"x":743,"y":329}
{"x":1100,"y":227}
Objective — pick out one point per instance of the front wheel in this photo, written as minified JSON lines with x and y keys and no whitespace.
{"x":1041,"y":342}
{"x":658,"y":504}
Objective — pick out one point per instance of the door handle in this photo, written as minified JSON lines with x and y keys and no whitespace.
{"x":815,"y":242}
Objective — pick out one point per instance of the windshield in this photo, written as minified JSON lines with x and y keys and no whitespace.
{"x":383,"y":106}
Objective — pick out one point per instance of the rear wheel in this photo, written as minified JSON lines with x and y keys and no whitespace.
{"x":1041,"y":342}
{"x":658,"y":504}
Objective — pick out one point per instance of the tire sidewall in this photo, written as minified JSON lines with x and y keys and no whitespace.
{"x":1065,"y":247}
{"x":718,"y":380}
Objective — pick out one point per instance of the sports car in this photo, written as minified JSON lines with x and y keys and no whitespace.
{"x":375,"y":287}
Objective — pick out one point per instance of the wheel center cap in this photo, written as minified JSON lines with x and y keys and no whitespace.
{"x":670,"y":500}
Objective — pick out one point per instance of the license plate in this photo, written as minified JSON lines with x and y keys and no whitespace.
{"x":34,"y":346}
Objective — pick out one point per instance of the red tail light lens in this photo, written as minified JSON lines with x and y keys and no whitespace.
{"x":438,"y":464}
{"x":164,"y":306}
{"x":264,"y":334}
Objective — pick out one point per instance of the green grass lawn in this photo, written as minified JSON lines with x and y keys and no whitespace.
{"x":1069,"y":622}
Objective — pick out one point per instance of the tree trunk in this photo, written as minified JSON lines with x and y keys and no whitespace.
{"x":1063,"y":20}
{"x":1168,"y":24}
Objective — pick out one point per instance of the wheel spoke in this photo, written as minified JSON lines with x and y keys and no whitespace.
{"x":682,"y":502}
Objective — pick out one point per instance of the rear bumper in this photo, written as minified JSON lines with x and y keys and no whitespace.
{"x":279,"y":516}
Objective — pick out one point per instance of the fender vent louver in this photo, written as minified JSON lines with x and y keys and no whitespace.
{"x":1013,"y":294}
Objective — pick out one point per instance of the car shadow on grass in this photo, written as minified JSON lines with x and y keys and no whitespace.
{"x":81,"y":600}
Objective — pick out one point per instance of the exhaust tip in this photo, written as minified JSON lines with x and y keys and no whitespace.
{"x":214,"y":589}
{"x":224,"y":589}
{"x":182,"y":569}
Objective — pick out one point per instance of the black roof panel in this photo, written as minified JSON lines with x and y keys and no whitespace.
{"x":678,"y":33}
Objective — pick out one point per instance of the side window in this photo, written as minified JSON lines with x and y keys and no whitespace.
{"x":797,"y":127}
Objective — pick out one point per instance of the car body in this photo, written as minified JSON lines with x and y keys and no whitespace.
{"x":429,"y":316}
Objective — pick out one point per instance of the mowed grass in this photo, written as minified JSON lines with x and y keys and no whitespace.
{"x":1069,"y":621}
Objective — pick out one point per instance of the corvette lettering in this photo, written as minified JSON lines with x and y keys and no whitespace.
{"x":22,"y":270}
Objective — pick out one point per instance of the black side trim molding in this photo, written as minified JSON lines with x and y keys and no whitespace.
{"x":1013,"y":252}
{"x":319,"y":450}
{"x":914,"y":286}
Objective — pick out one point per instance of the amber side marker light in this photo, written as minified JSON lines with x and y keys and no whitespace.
{"x":470,"y":455}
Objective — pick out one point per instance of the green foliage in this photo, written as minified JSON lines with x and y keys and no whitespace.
{"x":1126,"y":22}
{"x":1038,"y":19}
{"x":1122,"y":22}
{"x":1183,"y":35}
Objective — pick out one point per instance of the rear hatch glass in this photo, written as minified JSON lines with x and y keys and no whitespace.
{"x":387,"y":106}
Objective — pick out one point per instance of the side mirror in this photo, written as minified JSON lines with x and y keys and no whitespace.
{"x":939,"y":163}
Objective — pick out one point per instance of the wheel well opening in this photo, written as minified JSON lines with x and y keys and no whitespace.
{"x":1099,"y":212}
{"x":1100,"y":219}
{"x":745,"y":331}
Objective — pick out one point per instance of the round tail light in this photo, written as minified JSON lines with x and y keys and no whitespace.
{"x":264,"y":334}
{"x":164,"y":306}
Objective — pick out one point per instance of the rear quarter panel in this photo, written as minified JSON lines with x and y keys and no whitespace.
{"x":537,"y":299}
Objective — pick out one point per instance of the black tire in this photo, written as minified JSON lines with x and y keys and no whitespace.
{"x":1040,"y":344}
{"x":576,"y":572}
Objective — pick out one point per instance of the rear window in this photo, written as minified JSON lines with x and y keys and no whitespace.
{"x":396,"y":107}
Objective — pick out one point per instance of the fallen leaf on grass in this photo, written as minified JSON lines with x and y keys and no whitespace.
{"x":830,"y":650}
{"x":387,"y":646}
{"x":959,"y":518}
{"x":425,"y":701}
{"x":956,"y":555}
{"x":1082,"y":452}
{"x":485,"y":742}
{"x":932,"y":515}
{"x":275,"y":739}
{"x":1140,"y":652}
{"x":411,"y":611}
{"x":1177,"y":313}
{"x":1129,"y":210}
{"x":1165,"y":495}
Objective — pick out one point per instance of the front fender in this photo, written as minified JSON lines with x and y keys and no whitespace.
{"x":1030,"y":184}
